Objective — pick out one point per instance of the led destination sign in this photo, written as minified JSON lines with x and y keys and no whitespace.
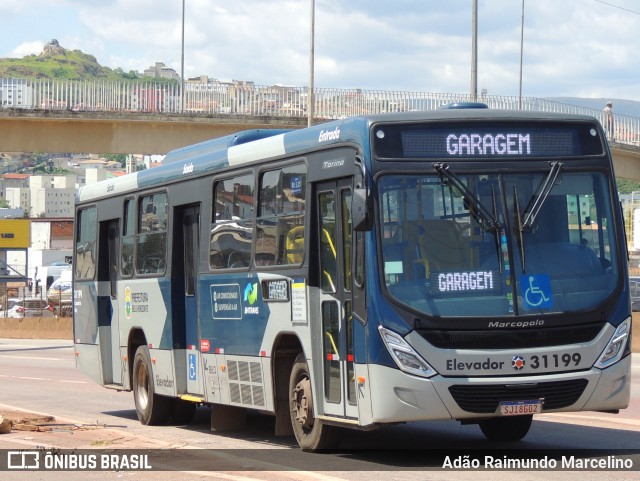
{"x":455,"y":284}
{"x":489,"y":144}
{"x":485,"y":140}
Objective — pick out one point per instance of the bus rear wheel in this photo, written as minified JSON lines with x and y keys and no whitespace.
{"x":506,"y":429}
{"x":151,"y":408}
{"x":311,"y":433}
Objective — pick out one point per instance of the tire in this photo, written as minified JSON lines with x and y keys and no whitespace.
{"x":182,"y":412}
{"x":506,"y":429}
{"x":151,"y":408}
{"x":311,"y":434}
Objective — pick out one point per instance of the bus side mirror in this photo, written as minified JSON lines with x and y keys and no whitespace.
{"x":360,"y":211}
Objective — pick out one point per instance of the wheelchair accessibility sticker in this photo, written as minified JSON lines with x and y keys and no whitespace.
{"x":193,"y":367}
{"x":536,"y":291}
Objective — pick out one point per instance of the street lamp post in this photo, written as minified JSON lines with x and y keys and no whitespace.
{"x":310,"y":98}
{"x":521,"y":52}
{"x":182,"y":65}
{"x":474,"y":51}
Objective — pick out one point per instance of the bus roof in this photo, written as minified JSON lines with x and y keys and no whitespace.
{"x":252,"y":145}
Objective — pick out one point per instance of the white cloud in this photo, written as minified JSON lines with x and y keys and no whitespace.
{"x":569,"y":46}
{"x":28,"y":48}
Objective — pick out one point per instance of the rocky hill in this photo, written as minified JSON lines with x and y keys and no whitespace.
{"x":57,"y":62}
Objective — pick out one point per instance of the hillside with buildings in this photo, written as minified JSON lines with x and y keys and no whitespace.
{"x":57,"y":62}
{"x":47,"y":201}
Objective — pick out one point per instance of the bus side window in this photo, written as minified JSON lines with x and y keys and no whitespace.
{"x":281,"y":202}
{"x":85,"y":262}
{"x":151,"y":239}
{"x":232,"y":223}
{"x":128,"y":238}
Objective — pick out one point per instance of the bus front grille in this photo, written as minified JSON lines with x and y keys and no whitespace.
{"x":479,"y":399}
{"x":511,"y":339}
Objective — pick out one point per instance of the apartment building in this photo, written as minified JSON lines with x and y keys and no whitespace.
{"x":43,"y":195}
{"x":15,"y":93}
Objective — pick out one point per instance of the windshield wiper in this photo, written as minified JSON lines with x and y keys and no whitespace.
{"x":488,"y":220}
{"x":516,"y":205}
{"x":541,"y":196}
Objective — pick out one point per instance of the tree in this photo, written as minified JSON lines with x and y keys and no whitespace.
{"x":626,"y":186}
{"x":38,"y":158}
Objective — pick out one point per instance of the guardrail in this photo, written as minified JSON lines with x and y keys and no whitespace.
{"x":245,"y":98}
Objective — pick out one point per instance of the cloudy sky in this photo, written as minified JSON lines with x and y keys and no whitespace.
{"x":582,"y":48}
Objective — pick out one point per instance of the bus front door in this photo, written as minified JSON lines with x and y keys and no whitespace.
{"x":333,"y":237}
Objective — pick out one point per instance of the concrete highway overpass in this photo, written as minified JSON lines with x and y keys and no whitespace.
{"x":122,"y":132}
{"x":157,"y":133}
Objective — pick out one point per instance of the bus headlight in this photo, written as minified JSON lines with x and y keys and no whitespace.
{"x":615,"y":349}
{"x":404,"y":355}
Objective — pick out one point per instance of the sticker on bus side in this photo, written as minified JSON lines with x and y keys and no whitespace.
{"x":226,"y":301}
{"x":299,"y":301}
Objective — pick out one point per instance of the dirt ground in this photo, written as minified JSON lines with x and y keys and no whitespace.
{"x":42,"y":430}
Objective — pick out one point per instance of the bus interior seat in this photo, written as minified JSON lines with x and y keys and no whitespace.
{"x":295,"y":245}
{"x":443,"y":246}
{"x":405,"y":246}
{"x":562,"y":260}
{"x":265,"y":251}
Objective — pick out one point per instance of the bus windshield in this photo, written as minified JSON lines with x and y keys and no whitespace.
{"x":499,"y":244}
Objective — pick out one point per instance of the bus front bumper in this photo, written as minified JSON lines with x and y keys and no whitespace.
{"x":398,"y":397}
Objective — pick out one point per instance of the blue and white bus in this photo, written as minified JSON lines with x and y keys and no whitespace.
{"x":464,"y":264}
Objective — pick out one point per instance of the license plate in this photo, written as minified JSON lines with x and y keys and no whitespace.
{"x":520,"y":408}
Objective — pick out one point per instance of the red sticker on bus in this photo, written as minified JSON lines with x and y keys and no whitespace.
{"x":204,"y":345}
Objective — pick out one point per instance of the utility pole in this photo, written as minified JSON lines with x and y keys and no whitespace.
{"x":182,"y":65}
{"x":310,"y":97}
{"x":521,"y":52}
{"x":474,"y":51}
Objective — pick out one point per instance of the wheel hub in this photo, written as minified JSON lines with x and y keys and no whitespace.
{"x":302,"y":403}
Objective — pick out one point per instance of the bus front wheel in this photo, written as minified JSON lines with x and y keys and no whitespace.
{"x":151,"y":408}
{"x":311,"y":433}
{"x":506,"y":429}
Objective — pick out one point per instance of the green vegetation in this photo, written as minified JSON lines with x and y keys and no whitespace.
{"x":626,"y":186}
{"x":60,"y":63}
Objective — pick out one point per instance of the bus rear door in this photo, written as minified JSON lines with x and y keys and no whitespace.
{"x":108,"y":313}
{"x":185,"y":300}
